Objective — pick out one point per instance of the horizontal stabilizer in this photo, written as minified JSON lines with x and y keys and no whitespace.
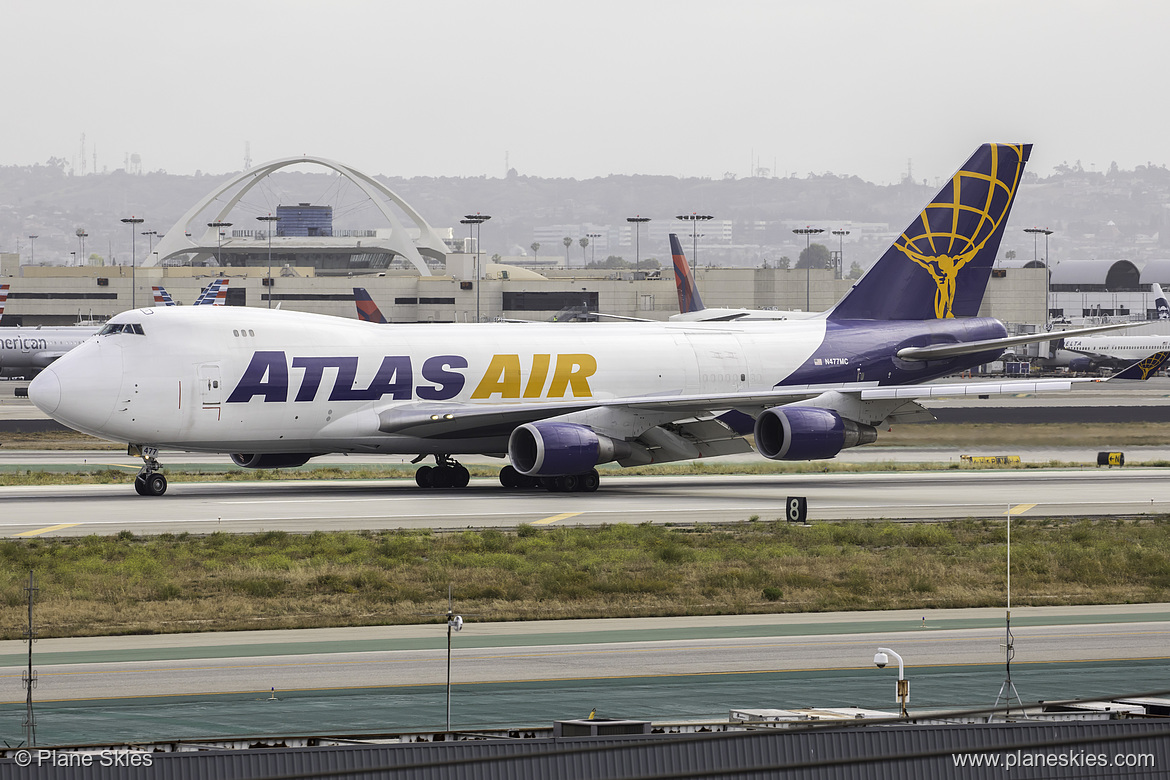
{"x":1145,"y":368}
{"x":940,"y":351}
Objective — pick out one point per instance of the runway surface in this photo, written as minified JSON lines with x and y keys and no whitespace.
{"x":385,"y":504}
{"x":363,"y":680}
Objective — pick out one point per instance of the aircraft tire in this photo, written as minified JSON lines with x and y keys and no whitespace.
{"x":140,"y":486}
{"x":510,"y":477}
{"x":460,"y":476}
{"x":589,"y":481}
{"x":566,"y":483}
{"x":155,"y":485}
{"x":441,"y":477}
{"x":423,"y":477}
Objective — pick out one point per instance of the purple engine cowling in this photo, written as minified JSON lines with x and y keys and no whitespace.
{"x":808,"y":433}
{"x":553,"y":449}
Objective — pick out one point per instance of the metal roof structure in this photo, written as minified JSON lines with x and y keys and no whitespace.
{"x":1120,"y":748}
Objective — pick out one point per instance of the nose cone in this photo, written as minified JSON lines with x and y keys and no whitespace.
{"x":81,"y":388}
{"x":45,"y":391}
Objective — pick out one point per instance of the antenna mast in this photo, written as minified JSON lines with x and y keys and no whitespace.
{"x":1008,"y":689}
{"x":30,"y":677}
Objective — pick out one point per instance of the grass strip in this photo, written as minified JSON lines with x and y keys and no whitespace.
{"x":125,"y":584}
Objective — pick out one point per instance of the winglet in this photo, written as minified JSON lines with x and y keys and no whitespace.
{"x":367,"y":310}
{"x":688,"y":293}
{"x":1144,"y":368}
{"x":939,"y":266}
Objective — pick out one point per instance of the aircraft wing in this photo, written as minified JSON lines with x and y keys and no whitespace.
{"x":433,"y":419}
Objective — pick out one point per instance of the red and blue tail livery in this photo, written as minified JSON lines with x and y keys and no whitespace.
{"x":688,"y":293}
{"x":367,"y":310}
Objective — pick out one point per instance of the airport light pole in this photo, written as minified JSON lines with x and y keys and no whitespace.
{"x":81,"y":236}
{"x":881,"y":659}
{"x":1036,"y":231}
{"x":637,"y":223}
{"x":476,"y":220}
{"x":840,"y":234}
{"x":808,"y":233}
{"x":219,"y":226}
{"x":133,"y":222}
{"x":694,"y":219}
{"x":270,"y":222}
{"x":593,"y":238}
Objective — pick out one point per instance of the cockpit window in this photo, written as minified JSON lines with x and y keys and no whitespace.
{"x":118,"y":327}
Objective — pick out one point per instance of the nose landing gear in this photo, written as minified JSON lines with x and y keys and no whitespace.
{"x":150,"y":480}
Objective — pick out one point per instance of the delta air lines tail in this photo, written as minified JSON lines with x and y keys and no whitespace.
{"x":275,"y":388}
{"x":684,"y":282}
{"x":367,"y":310}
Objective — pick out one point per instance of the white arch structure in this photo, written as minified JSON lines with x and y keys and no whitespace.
{"x":179,"y":240}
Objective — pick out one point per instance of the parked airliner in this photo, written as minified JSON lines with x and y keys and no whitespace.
{"x":275,"y":388}
{"x":690,"y":303}
{"x":1090,"y":353}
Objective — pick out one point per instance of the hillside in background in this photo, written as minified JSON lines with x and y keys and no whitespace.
{"x":1117,"y":214}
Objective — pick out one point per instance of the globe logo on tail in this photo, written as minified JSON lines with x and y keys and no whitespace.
{"x":956,"y":226}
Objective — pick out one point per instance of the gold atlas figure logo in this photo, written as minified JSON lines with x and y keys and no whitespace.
{"x":1151,"y":364}
{"x":935,"y":248}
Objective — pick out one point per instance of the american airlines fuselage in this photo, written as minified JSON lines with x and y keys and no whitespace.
{"x":262,"y":381}
{"x":25,"y":351}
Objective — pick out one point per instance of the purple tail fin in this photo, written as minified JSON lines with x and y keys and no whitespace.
{"x":939,"y":266}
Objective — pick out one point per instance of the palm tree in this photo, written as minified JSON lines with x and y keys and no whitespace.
{"x":568,"y":242}
{"x":535,"y":249}
{"x":584,"y":243}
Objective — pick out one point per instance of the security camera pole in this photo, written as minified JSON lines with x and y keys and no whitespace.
{"x":881,"y":659}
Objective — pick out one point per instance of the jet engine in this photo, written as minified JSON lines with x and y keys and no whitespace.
{"x":553,"y":449}
{"x":808,"y":433}
{"x":271,"y":461}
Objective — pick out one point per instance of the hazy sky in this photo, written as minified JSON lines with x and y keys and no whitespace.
{"x":586,"y":89}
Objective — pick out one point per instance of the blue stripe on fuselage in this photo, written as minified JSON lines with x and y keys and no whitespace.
{"x":864,"y":351}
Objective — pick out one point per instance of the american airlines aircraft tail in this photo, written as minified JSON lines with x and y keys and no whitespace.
{"x":215,"y":294}
{"x":3,"y":298}
{"x":161,"y":296}
{"x":275,"y":388}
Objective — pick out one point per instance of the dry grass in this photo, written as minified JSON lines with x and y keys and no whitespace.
{"x":122,"y":585}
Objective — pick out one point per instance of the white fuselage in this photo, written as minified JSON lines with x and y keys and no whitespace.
{"x":1120,"y":348}
{"x":31,"y":349}
{"x":251,"y":380}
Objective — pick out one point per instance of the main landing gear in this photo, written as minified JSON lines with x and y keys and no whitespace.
{"x":566,"y":483}
{"x":446,"y":473}
{"x":150,"y":480}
